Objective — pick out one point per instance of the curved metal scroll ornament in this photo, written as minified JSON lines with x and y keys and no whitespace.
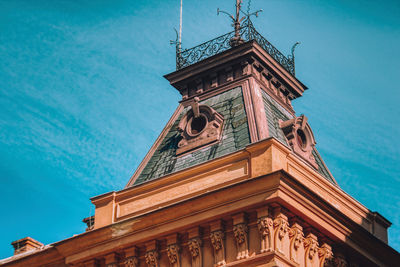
{"x":178,"y":49}
{"x":291,"y":57}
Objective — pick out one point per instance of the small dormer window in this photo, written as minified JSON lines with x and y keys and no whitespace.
{"x":300,"y":138}
{"x":199,"y":127}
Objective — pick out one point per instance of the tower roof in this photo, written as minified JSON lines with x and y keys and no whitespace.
{"x":233,"y":82}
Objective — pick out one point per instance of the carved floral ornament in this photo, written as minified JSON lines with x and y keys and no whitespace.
{"x":173,"y":253}
{"x":240,"y":232}
{"x":151,"y":258}
{"x":132,"y":262}
{"x":194,"y":246}
{"x":300,"y":138}
{"x":217,"y":239}
{"x":200,"y":126}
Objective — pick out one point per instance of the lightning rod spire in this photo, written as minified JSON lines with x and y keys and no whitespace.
{"x":180,"y":28}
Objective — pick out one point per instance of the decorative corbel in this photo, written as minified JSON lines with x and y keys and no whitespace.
{"x":240,"y":232}
{"x":173,"y":255}
{"x":281,"y":229}
{"x":296,"y":237}
{"x":325,"y":256}
{"x":340,"y":260}
{"x":214,"y":80}
{"x":229,"y":74}
{"x":259,"y":68}
{"x":195,"y":245}
{"x":199,"y":86}
{"x":111,"y":260}
{"x":265,"y":227}
{"x":173,"y":250}
{"x":151,"y":255}
{"x":185,"y":92}
{"x":311,"y":258}
{"x":131,"y":257}
{"x":246,"y":67}
{"x":217,"y":240}
{"x":131,"y":262}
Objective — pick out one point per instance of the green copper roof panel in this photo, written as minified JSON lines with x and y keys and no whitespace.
{"x":274,"y":113}
{"x":235,"y":136}
{"x":322,"y":168}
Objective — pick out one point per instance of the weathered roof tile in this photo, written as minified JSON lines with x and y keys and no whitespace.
{"x":236,"y":136}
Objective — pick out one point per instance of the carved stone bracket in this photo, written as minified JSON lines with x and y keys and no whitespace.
{"x":131,"y":257}
{"x":217,"y":240}
{"x":194,"y":245}
{"x":296,"y":237}
{"x":240,"y":231}
{"x":200,"y":126}
{"x":311,"y":258}
{"x":152,"y":258}
{"x":325,"y":256}
{"x":300,"y":138}
{"x":131,"y":262}
{"x":339,"y":260}
{"x":281,"y":229}
{"x":265,"y":227}
{"x":173,"y":255}
{"x":111,"y":260}
{"x":152,"y":255}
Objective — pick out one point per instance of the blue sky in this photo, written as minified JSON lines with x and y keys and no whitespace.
{"x":82,"y":97}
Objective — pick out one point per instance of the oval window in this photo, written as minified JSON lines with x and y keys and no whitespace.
{"x":197,"y":125}
{"x":301,"y":139}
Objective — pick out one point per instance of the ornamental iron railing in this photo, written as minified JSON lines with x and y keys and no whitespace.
{"x":222,"y":43}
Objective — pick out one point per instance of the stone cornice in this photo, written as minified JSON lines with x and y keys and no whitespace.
{"x":202,"y":73}
{"x":264,"y":173}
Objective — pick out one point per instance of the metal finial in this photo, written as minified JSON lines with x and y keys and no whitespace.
{"x":236,"y":20}
{"x":236,"y":40}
